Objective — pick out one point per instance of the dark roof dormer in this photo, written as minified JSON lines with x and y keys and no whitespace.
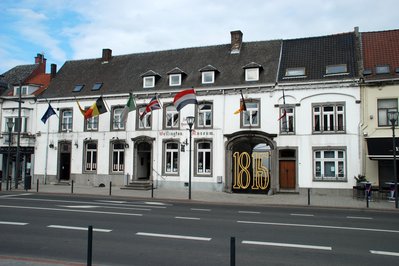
{"x":149,"y":78}
{"x":176,"y":76}
{"x":208,"y":74}
{"x":252,"y":71}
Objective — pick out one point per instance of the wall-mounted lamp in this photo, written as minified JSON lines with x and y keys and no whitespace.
{"x":76,"y":144}
{"x":51,"y":146}
{"x":126,"y":145}
{"x":87,"y":139}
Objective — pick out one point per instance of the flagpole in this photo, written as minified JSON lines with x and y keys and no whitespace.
{"x":47,"y":144}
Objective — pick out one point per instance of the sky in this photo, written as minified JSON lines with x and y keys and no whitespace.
{"x":79,"y":29}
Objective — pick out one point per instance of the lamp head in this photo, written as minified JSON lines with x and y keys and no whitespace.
{"x":393,"y":116}
{"x":190,"y":121}
{"x":10,"y":124}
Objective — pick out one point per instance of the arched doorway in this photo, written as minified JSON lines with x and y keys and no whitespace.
{"x":142,"y":162}
{"x":250,"y":162}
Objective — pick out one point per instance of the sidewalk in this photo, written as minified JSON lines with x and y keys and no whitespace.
{"x":316,"y":199}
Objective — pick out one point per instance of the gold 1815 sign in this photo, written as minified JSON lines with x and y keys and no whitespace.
{"x":258,"y":178}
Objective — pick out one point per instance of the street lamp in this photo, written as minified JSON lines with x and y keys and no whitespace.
{"x":10,"y":125}
{"x":393,"y":118}
{"x":190,"y":121}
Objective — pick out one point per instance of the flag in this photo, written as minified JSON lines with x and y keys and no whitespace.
{"x":243,"y":106}
{"x":50,"y":111}
{"x":130,"y":106}
{"x":183,"y":98}
{"x":95,"y":110}
{"x":153,"y":105}
{"x":284,"y":114}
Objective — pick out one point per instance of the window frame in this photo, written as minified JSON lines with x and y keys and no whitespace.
{"x":385,"y":111}
{"x":165,"y":157}
{"x":202,"y":113}
{"x":116,"y":118}
{"x":382,"y":69}
{"x":337,"y":162}
{"x":332,"y":70}
{"x":324,"y":128}
{"x":197,"y":156}
{"x":149,"y":82}
{"x":93,"y":157}
{"x":206,"y":74}
{"x":292,"y":72}
{"x":248,"y":74}
{"x":173,"y":112}
{"x":244,"y":114}
{"x":92,"y":124}
{"x":117,"y":157}
{"x":171,"y":78}
{"x":69,"y":123}
{"x":289,"y":120}
{"x":146,"y":123}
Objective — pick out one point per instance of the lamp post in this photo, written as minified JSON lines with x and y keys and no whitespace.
{"x":190,"y":121}
{"x":393,"y":118}
{"x":10,"y":125}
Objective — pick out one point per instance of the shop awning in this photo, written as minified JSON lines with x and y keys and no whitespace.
{"x":381,"y":148}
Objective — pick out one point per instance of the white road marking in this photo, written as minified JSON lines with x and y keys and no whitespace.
{"x":248,"y":212}
{"x":187,"y":218}
{"x":322,"y":226}
{"x":287,"y":245}
{"x":79,"y":206}
{"x":302,"y":214}
{"x":175,"y":236}
{"x":68,"y":210}
{"x":387,"y":253}
{"x":112,"y":201}
{"x":79,"y":228}
{"x":15,"y":195}
{"x":155,"y":203}
{"x":200,"y":210}
{"x":358,"y":217}
{"x":12,"y":223}
{"x":104,"y":207}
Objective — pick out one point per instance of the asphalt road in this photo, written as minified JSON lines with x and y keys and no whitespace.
{"x":39,"y":228}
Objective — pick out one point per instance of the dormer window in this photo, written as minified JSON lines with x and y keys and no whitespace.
{"x":336,"y":69}
{"x":149,"y":82}
{"x":208,"y":74}
{"x":78,"y":87}
{"x":24,"y":90}
{"x":382,"y":69}
{"x":97,"y":86}
{"x":252,"y":71}
{"x":149,"y":78}
{"x":295,"y":72}
{"x":175,"y":80}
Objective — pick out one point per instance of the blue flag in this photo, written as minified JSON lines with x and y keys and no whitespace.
{"x":50,"y":111}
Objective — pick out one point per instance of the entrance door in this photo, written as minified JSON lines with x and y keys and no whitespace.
{"x":287,"y":174}
{"x":65,"y":161}
{"x":143,"y":163}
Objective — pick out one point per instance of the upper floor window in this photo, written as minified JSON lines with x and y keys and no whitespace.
{"x":329,"y":165}
{"x":208,"y":77}
{"x":18,"y":124}
{"x":382,"y":69}
{"x":145,"y":122}
{"x":66,"y":120}
{"x":336,"y":69}
{"x":384,"y":106}
{"x":24,"y":90}
{"x":251,"y":74}
{"x":295,"y":72}
{"x":287,"y":120}
{"x":118,"y":157}
{"x":117,"y":123}
{"x":251,"y":117}
{"x":149,"y":82}
{"x":174,"y":79}
{"x":329,"y":118}
{"x":171,"y":158}
{"x":203,"y":158}
{"x":90,"y":164}
{"x":204,"y":115}
{"x":171,"y":117}
{"x":91,"y":124}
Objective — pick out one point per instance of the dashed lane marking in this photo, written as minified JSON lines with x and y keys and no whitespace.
{"x":78,"y":228}
{"x":200,"y":210}
{"x":286,"y":245}
{"x":197,"y":238}
{"x":302,"y":214}
{"x":248,"y":212}
{"x":187,"y":218}
{"x":12,"y":223}
{"x":359,"y":217}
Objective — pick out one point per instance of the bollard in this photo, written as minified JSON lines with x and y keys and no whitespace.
{"x":152,"y":189}
{"x":37,"y":185}
{"x":89,"y":245}
{"x":232,"y":251}
{"x":72,"y":187}
{"x":308,"y":196}
{"x":110,"y":187}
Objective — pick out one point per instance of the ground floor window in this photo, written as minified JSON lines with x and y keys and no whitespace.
{"x":91,"y":157}
{"x":203,"y":158}
{"x":118,"y":157}
{"x":171,"y":158}
{"x":329,"y":165}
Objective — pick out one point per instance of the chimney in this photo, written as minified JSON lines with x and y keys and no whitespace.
{"x":39,"y":59}
{"x":236,"y":41}
{"x":107,"y":55}
{"x":53,"y":71}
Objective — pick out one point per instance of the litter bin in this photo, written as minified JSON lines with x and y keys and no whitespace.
{"x":28,"y":182}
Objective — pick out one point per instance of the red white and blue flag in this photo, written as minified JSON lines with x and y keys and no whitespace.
{"x":153,"y":105}
{"x":183,"y":98}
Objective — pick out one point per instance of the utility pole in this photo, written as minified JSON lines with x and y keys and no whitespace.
{"x":18,"y":125}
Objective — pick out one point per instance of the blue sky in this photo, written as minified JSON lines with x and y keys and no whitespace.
{"x":80,"y":29}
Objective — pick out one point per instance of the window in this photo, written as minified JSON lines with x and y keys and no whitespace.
{"x":295,"y":72}
{"x":117,"y":123}
{"x":382,"y":69}
{"x":208,"y":77}
{"x":171,"y":117}
{"x":118,"y":157}
{"x":287,"y":122}
{"x":91,"y":124}
{"x":144,"y":123}
{"x":329,"y":165}
{"x":204,"y":115}
{"x":149,"y":82}
{"x":90,"y":157}
{"x":19,"y":124}
{"x":174,"y":79}
{"x":336,"y":69}
{"x":78,"y":88}
{"x":171,"y":163}
{"x":329,"y":118}
{"x":251,"y":74}
{"x":66,"y":120}
{"x":24,"y":90}
{"x":251,"y":117}
{"x":385,"y":106}
{"x":203,"y":155}
{"x":97,"y":86}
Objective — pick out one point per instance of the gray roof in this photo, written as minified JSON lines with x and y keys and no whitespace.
{"x":19,"y":73}
{"x":123,"y":74}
